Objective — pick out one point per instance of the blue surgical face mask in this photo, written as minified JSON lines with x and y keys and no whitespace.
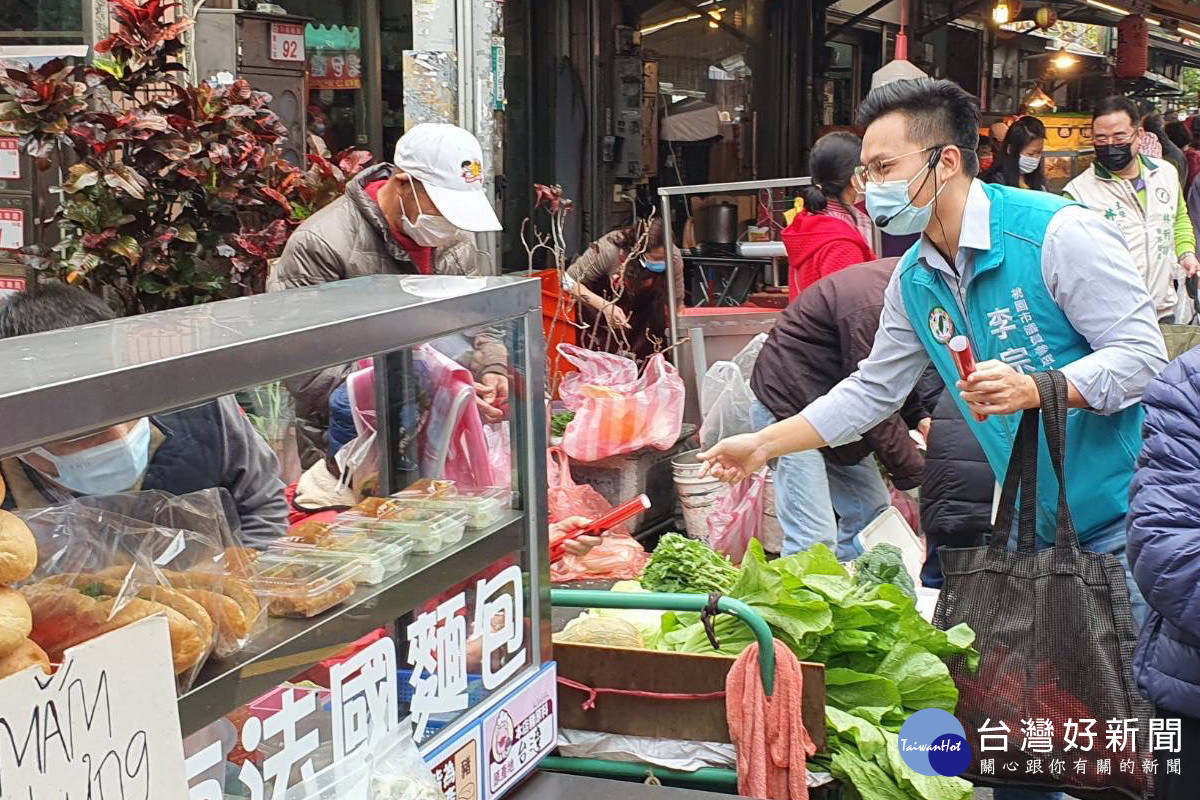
{"x":890,"y":202}
{"x":105,"y":468}
{"x":654,"y":266}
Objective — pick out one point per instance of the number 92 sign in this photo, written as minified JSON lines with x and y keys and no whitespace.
{"x":287,"y":42}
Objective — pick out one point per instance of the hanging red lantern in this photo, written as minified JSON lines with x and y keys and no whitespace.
{"x":1133,"y":47}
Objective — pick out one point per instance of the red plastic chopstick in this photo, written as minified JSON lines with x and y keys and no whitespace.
{"x":622,"y":513}
{"x":964,"y":359}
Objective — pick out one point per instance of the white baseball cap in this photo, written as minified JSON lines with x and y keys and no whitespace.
{"x":448,"y":161}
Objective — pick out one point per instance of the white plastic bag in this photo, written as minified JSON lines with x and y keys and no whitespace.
{"x":390,"y":769}
{"x":399,"y":773}
{"x":725,"y":395}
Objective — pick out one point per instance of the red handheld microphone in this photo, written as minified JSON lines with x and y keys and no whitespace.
{"x":964,"y":359}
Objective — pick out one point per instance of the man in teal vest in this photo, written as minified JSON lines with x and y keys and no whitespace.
{"x":1033,"y":281}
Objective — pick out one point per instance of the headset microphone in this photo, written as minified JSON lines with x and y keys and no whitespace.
{"x":883,"y":221}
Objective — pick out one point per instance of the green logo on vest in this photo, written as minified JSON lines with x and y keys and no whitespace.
{"x":940,"y":325}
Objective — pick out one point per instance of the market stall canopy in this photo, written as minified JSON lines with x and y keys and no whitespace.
{"x":690,"y":121}
{"x":1158,"y":11}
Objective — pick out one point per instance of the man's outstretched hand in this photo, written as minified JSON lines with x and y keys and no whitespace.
{"x":734,"y":459}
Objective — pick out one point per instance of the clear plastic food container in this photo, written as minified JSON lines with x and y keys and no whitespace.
{"x":304,"y":584}
{"x":483,"y":507}
{"x":430,"y":529}
{"x":377,"y":557}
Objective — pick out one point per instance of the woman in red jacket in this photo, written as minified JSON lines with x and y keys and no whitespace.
{"x":830,"y":233}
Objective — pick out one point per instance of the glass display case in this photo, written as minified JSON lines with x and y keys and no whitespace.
{"x":1063,"y":165}
{"x":445,"y":384}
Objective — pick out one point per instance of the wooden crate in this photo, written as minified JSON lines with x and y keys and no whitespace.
{"x":658,"y":671}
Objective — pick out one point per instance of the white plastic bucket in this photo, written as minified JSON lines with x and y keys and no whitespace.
{"x":770,"y":531}
{"x":696,"y":494}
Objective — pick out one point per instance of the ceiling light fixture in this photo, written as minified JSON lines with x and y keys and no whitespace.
{"x":1001,"y":13}
{"x":1064,"y":60}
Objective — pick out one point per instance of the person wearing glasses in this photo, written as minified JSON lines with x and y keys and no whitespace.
{"x":1142,"y":197}
{"x":1034,"y":282}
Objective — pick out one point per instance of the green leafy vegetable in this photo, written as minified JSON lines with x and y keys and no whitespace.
{"x":683,"y":565}
{"x":559,"y":422}
{"x":883,"y":660}
{"x":883,"y":564}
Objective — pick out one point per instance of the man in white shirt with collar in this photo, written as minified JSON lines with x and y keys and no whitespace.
{"x":1033,"y":281}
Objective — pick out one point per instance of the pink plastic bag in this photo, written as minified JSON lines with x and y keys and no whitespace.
{"x":595,"y":369}
{"x":452,"y":442}
{"x":620,"y":557}
{"x":567,"y":498}
{"x":499,"y":444}
{"x":736,"y":517}
{"x":614,"y":416}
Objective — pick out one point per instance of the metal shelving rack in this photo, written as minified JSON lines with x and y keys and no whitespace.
{"x":65,"y":383}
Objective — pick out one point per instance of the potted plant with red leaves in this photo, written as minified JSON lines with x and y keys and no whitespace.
{"x":296,"y":196}
{"x":171,"y":194}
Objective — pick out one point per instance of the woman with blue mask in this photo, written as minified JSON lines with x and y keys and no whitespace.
{"x":623,"y":293}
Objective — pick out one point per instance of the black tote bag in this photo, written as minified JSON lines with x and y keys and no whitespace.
{"x":1056,"y":638}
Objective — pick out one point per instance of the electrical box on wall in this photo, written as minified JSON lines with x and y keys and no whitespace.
{"x":627,"y":116}
{"x":268,"y":50}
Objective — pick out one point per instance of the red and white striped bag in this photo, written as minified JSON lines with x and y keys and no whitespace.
{"x":616,"y":419}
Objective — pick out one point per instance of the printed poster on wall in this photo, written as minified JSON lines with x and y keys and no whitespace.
{"x":104,"y":725}
{"x":521,"y":732}
{"x":9,"y":287}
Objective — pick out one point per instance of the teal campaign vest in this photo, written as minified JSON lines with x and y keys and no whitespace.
{"x":1012,"y":317}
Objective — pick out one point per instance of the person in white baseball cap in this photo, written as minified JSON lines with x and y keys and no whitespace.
{"x":447,"y":163}
{"x":416,"y":216}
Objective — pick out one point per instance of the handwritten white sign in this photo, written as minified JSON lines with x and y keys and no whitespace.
{"x":104,"y":725}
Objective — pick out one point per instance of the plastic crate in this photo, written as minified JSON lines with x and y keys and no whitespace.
{"x":475,"y":690}
{"x":619,"y":479}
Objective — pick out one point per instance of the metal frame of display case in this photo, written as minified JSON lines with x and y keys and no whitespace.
{"x":67,"y":382}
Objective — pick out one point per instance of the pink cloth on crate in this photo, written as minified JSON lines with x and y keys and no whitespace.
{"x":772,"y":744}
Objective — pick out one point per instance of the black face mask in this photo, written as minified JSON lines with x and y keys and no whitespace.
{"x":1114,"y":157}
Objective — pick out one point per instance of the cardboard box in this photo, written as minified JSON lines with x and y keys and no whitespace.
{"x":658,"y":671}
